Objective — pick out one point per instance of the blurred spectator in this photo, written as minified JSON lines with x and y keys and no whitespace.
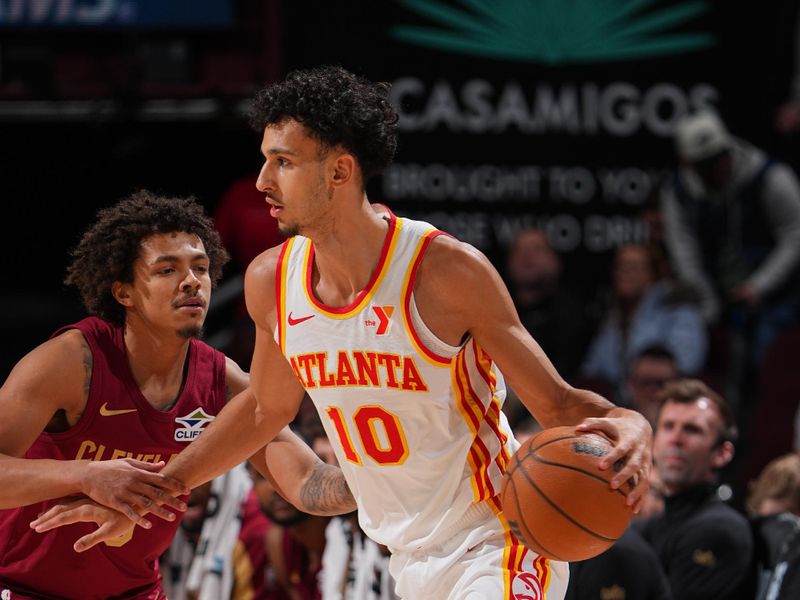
{"x":732,"y":218}
{"x":643,"y":312}
{"x":552,"y":314}
{"x":294,"y":543}
{"x":774,"y":503}
{"x":353,"y":566}
{"x":629,"y":569}
{"x":787,"y":119}
{"x":309,"y":427}
{"x":322,"y":446}
{"x":219,"y":550}
{"x":651,"y":215}
{"x":648,"y":372}
{"x":705,"y":546}
{"x":777,"y":488}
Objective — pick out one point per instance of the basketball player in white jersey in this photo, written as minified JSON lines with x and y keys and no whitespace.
{"x":399,"y":335}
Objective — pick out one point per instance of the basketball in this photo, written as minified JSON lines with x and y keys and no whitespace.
{"x":556,"y":499}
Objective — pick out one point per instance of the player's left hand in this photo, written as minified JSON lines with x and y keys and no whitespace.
{"x":111,"y":523}
{"x":123,"y":484}
{"x":633,"y":442}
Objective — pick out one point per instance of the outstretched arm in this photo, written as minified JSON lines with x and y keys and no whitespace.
{"x":297,"y":473}
{"x":458,"y":292}
{"x":302,"y":478}
{"x":49,"y":388}
{"x":256,"y":415}
{"x":293,"y":468}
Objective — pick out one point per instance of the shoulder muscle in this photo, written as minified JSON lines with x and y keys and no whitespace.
{"x":460,"y":280}
{"x":259,"y":287}
{"x":54,"y":376}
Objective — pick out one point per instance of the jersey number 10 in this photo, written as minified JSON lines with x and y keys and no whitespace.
{"x":387,"y":449}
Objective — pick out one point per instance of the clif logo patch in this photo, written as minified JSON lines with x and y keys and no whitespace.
{"x":193,"y":425}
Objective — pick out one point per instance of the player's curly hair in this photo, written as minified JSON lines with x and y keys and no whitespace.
{"x":338,"y":109}
{"x":109,"y":247}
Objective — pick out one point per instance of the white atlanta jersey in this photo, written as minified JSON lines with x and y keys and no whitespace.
{"x":416,"y":423}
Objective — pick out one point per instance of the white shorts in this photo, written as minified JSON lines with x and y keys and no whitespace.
{"x":480,"y":561}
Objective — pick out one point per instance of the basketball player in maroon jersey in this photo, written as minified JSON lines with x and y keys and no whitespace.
{"x":105,"y":403}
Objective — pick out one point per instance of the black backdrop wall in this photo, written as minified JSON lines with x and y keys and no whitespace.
{"x":514,"y":113}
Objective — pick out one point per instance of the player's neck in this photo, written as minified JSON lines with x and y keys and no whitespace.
{"x":157,"y":363}
{"x":347,"y":253}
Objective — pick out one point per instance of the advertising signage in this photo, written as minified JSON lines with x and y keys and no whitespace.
{"x":543,"y":113}
{"x":114,"y":13}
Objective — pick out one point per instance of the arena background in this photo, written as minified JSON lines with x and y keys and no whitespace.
{"x":514,"y":113}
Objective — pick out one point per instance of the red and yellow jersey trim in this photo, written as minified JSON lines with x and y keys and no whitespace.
{"x":365,"y":295}
{"x":474,"y":413}
{"x":514,"y":557}
{"x":483,"y":363}
{"x":408,"y":289}
{"x":542,"y":566}
{"x":280,"y":291}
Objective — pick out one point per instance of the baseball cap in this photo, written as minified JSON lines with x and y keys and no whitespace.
{"x":701,"y":136}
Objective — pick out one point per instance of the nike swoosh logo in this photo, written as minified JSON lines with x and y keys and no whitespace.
{"x":293,"y":321}
{"x":110,"y":412}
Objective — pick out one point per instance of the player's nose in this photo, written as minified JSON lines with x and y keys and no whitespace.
{"x":190,"y":282}
{"x":265,"y":182}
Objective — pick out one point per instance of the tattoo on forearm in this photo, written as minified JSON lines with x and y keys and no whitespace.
{"x":326,"y":492}
{"x":87,"y":368}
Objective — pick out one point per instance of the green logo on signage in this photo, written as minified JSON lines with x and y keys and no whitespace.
{"x":555,"y":31}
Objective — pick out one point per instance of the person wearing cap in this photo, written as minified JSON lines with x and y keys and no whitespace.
{"x":732,"y":228}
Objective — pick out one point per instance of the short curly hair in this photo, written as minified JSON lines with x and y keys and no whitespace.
{"x":109,"y":247}
{"x":338,"y":109}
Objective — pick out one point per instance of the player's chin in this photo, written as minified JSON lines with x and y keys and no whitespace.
{"x":191,"y":331}
{"x":288,"y":230}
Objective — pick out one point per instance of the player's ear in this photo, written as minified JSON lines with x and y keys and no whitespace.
{"x":343,"y":169}
{"x":122,"y":293}
{"x":722,"y":455}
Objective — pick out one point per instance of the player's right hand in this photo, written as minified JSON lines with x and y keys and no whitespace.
{"x":111,"y":523}
{"x":125,"y":483}
{"x":633,"y":449}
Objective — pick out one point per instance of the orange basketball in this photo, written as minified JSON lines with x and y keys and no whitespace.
{"x":556,"y":499}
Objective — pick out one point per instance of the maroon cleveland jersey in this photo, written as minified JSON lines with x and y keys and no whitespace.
{"x":118,"y":422}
